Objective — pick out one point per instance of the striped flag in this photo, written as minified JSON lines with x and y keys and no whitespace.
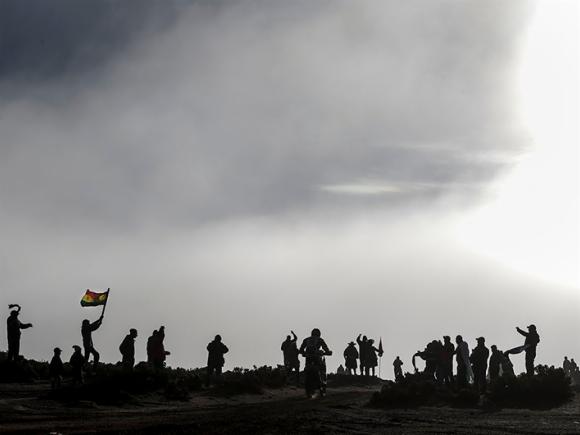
{"x":94,"y":299}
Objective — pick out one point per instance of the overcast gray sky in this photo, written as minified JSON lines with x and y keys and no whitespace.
{"x":247,"y":168}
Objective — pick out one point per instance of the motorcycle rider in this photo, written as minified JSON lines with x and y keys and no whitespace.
{"x":313,"y":349}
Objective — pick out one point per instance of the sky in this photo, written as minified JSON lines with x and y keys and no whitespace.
{"x":401,"y":169}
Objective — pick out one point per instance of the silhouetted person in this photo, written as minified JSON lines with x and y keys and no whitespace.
{"x":438,"y":356}
{"x":340,"y":370}
{"x":127,"y":349}
{"x":573,"y":366}
{"x":215,"y":358}
{"x":350,"y":356}
{"x":77,"y":362}
{"x":447,"y":360}
{"x":566,"y":366}
{"x":290,"y":352}
{"x":13,"y":326}
{"x":372,"y":358}
{"x":87,"y":329}
{"x":507,"y":367}
{"x":156,"y":353}
{"x":463,"y":363}
{"x":531,"y":342}
{"x":150,"y":346}
{"x":363,"y":352}
{"x":495,"y":360}
{"x":313,"y":348}
{"x":479,"y":357}
{"x":398,"y":368}
{"x":56,"y":369}
{"x":431,"y":356}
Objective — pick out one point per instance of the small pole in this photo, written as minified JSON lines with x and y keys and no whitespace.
{"x":105,"y":304}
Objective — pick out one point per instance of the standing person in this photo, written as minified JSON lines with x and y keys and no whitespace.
{"x":350,"y":356}
{"x":290,"y":353}
{"x":127,"y":349}
{"x":215,"y":358}
{"x":363,"y":354}
{"x":55,"y":369}
{"x":398,"y":367}
{"x":77,"y":362}
{"x":463,"y":363}
{"x":507,"y":367}
{"x":13,"y":327}
{"x":372,"y":359}
{"x":494,"y":363}
{"x":566,"y":366}
{"x":573,"y":366}
{"x":87,"y":329}
{"x":151,"y":346}
{"x":479,"y":357}
{"x":530,"y":344}
{"x":447,"y":360}
{"x":156,"y":349}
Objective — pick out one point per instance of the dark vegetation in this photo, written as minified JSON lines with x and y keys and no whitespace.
{"x":549,"y":388}
{"x":112,"y":384}
{"x":250,"y":381}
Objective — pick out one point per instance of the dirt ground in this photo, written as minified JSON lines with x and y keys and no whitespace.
{"x":287,"y":411}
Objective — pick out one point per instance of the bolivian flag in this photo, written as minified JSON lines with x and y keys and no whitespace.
{"x":93,"y":299}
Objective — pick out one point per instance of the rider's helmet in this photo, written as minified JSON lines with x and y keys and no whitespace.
{"x":315,"y":332}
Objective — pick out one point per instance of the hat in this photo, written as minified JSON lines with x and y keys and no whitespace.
{"x":76,"y":346}
{"x":57,"y":349}
{"x":352,"y":342}
{"x":480,"y":339}
{"x":532,"y":326}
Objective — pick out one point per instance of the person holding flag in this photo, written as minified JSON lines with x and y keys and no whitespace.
{"x":92,"y":299}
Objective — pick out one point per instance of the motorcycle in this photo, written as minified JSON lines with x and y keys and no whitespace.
{"x":315,"y":374}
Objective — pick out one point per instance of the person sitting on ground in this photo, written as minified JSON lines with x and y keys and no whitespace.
{"x":56,"y":369}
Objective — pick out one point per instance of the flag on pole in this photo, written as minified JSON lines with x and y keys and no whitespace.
{"x":517,"y":350}
{"x":94,"y":299}
{"x":381,"y":347}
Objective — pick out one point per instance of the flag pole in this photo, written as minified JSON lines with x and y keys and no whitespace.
{"x":380,"y":356}
{"x":105,"y":304}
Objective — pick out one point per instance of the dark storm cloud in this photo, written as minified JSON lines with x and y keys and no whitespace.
{"x":249,"y":108}
{"x":58,"y":39}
